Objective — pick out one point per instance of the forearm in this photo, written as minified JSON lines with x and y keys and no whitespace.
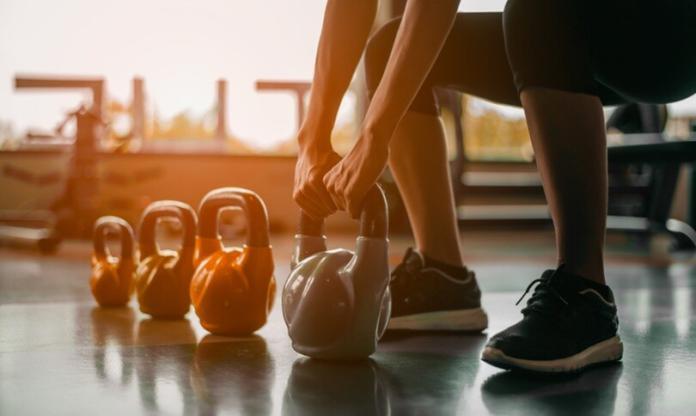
{"x":422,"y":33}
{"x":344,"y":33}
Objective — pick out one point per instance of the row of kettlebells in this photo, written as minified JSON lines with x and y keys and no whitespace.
{"x":336,"y":303}
{"x":231,"y":289}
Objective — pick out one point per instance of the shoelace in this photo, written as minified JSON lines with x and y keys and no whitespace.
{"x":543,"y":289}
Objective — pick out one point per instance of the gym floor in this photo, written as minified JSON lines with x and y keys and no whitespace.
{"x":61,"y":354}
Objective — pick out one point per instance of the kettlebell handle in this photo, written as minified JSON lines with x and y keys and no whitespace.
{"x":374,"y":218}
{"x":160,"y":209}
{"x":251,"y":205}
{"x":107,"y":224}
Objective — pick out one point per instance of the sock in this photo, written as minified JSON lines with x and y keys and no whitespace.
{"x":457,"y":272}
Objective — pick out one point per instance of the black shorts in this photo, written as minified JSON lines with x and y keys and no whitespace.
{"x":618,"y":50}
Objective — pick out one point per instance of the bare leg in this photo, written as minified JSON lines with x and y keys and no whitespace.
{"x":418,"y":160}
{"x":569,"y":140}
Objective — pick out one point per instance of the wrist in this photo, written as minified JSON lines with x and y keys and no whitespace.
{"x":314,"y":136}
{"x":313,"y":142}
{"x":311,"y":145}
{"x":376,"y":135}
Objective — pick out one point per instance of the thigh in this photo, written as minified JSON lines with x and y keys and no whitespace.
{"x":472,"y":61}
{"x":618,"y":50}
{"x":644,"y":50}
{"x":547,"y":47}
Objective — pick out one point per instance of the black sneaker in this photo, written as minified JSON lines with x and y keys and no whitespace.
{"x":426,"y":298}
{"x":569,"y":323}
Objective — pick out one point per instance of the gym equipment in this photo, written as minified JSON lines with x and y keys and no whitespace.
{"x":644,"y":172}
{"x":232,"y":289}
{"x":163,"y":276}
{"x":74,"y":212}
{"x":112,"y":278}
{"x":337,"y":303}
{"x":299,"y":89}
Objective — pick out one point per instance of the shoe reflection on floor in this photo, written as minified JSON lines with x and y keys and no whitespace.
{"x":590,"y":392}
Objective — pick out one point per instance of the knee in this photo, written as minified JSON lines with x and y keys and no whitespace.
{"x":377,"y":53}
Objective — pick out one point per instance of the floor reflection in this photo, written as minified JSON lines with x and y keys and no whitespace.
{"x":431,"y":373}
{"x":340,"y":388}
{"x":592,"y":392}
{"x":660,"y":330}
{"x":113,"y":331}
{"x":233,"y":375}
{"x":414,"y":374}
{"x":163,"y":369}
{"x":117,"y":361}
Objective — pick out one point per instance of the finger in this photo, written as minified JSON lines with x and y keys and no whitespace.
{"x":355,"y":203}
{"x":321,"y":199}
{"x":310,"y":202}
{"x":309,"y":206}
{"x":323,"y":195}
{"x":337,"y":198}
{"x":333,"y":191}
{"x":354,"y":210}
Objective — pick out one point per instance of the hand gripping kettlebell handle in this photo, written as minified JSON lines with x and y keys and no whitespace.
{"x":159,"y":209}
{"x":374,"y":218}
{"x":251,"y":205}
{"x":308,"y":226}
{"x":107,"y":224}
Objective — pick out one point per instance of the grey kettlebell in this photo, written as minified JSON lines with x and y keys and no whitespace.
{"x":336,"y":303}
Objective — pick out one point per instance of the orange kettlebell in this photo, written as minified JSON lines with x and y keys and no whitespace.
{"x":163,"y":276}
{"x":232,"y":289}
{"x":112,"y":278}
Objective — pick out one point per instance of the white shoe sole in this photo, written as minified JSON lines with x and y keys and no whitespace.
{"x":456,"y":320}
{"x":603,"y":352}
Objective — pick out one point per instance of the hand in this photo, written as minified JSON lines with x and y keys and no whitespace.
{"x":350,"y":179}
{"x":309,"y":191}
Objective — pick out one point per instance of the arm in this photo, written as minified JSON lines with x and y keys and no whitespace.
{"x":347,"y":24}
{"x":422,"y":33}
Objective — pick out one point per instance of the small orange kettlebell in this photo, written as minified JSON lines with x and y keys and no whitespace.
{"x":112,"y":278}
{"x":163,"y":276}
{"x":232,"y":289}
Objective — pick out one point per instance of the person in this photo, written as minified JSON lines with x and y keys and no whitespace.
{"x":561,"y":61}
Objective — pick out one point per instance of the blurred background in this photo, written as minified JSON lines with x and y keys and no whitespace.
{"x":107,"y":106}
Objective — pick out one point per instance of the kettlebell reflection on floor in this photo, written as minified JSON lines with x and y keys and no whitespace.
{"x":396,"y":382}
{"x":163,"y":372}
{"x":113,"y":332}
{"x":233,"y":375}
{"x":317,"y":387}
